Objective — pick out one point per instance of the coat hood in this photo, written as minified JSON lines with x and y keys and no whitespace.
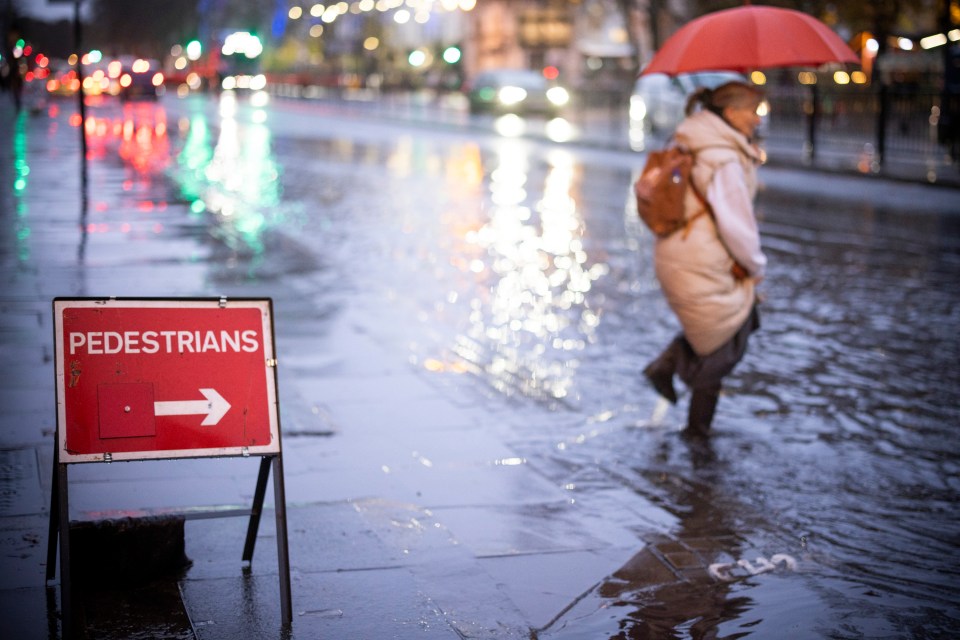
{"x":715,"y":142}
{"x":707,"y":129}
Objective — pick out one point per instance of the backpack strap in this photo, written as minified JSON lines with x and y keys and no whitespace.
{"x":706,"y":209}
{"x":689,"y":221}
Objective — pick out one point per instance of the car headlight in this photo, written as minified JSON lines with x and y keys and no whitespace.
{"x":258,"y":82}
{"x":512,"y":95}
{"x":558,"y":96}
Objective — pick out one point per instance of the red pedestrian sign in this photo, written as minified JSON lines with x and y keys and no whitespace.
{"x":149,"y":378}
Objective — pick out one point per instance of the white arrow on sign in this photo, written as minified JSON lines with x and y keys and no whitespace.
{"x":214,"y":407}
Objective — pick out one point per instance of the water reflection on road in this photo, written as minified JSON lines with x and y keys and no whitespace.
{"x":234,"y":177}
{"x":529,"y":319}
{"x":524,"y":266}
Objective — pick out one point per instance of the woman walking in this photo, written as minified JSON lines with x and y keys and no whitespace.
{"x":709,"y":270}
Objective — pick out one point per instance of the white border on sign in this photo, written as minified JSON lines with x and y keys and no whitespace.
{"x":269,"y":366}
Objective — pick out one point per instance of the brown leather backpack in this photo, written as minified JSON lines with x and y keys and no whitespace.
{"x":662,"y":187}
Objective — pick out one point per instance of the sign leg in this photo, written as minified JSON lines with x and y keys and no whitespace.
{"x":54,"y":519}
{"x":257,"y":509}
{"x":283,"y":555}
{"x":66,"y":595}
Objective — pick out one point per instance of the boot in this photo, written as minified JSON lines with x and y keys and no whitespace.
{"x":703,"y":404}
{"x":660,"y":372}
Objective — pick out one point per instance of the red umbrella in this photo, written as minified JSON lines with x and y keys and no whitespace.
{"x":750,"y":37}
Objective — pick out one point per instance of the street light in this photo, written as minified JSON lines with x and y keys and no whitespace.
{"x":242,"y":43}
{"x":65,"y":597}
{"x":417,"y":58}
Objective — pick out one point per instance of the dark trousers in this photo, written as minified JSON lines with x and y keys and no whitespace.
{"x":703,"y":374}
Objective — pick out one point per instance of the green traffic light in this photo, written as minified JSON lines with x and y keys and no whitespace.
{"x":451,"y":55}
{"x":194,"y":50}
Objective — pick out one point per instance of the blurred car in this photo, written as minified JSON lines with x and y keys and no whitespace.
{"x":63,"y":79}
{"x":516,"y":91}
{"x":140,"y":78}
{"x":658,"y":101}
{"x":243,"y":82}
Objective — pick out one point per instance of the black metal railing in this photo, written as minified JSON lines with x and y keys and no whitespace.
{"x":896,"y":130}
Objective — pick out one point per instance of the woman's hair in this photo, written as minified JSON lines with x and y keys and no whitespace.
{"x":729,"y":94}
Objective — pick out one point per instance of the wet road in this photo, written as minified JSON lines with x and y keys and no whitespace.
{"x":826,"y":502}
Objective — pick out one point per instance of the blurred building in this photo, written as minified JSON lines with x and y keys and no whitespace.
{"x":588,"y":42}
{"x":440,"y":43}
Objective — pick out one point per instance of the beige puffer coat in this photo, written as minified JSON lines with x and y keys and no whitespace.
{"x":693,"y":265}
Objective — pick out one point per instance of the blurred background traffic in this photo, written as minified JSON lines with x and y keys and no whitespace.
{"x":542,"y":58}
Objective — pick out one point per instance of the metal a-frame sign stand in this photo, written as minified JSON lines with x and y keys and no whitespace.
{"x":130,"y":373}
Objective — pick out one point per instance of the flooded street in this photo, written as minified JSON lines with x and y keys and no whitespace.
{"x":824,"y":505}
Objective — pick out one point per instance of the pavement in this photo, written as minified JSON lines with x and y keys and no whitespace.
{"x":916,"y":161}
{"x":409,"y":513}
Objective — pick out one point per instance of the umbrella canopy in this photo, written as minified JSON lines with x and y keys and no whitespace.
{"x":750,"y":37}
